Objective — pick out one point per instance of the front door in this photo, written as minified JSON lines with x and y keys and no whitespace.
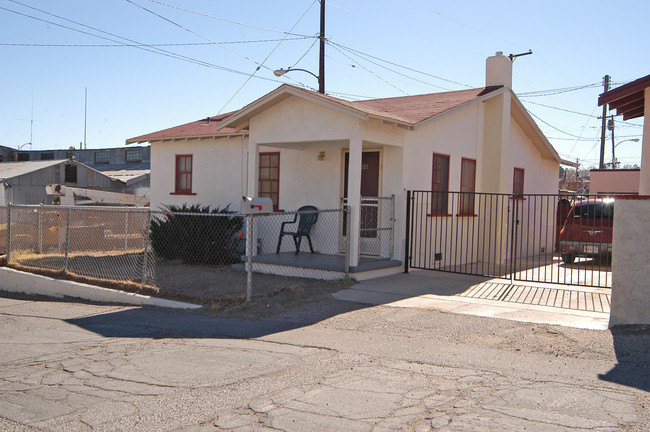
{"x":369,"y":189}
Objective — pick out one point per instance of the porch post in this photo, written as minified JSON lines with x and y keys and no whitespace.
{"x":253,"y":149}
{"x":354,"y":195}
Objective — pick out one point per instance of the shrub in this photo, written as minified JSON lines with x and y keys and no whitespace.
{"x":196,"y":234}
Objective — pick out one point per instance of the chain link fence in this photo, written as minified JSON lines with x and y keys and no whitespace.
{"x":189,"y":252}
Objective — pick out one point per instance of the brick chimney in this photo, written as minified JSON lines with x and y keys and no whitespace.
{"x":498,"y":70}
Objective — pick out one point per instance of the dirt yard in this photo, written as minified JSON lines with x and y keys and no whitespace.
{"x":223,"y":290}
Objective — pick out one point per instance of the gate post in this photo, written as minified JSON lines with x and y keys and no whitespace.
{"x":407,"y":245}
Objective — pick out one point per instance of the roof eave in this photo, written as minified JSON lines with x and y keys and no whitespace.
{"x":184,"y":138}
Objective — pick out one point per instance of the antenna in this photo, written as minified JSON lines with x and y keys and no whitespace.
{"x":85,"y":146}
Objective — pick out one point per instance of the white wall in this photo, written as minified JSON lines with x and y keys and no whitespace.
{"x":614,"y":181}
{"x":630,"y":270}
{"x":218,"y":172}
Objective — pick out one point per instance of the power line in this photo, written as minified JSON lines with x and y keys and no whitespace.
{"x":368,"y":70}
{"x":392,"y":70}
{"x":137,"y":44}
{"x":360,"y":53}
{"x":560,"y":109}
{"x":197,"y":34}
{"x":267,"y":57}
{"x":225,"y":20}
{"x":153,"y":44}
{"x":554,"y":92}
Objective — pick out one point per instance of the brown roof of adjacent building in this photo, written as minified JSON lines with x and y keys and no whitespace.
{"x":207,"y":127}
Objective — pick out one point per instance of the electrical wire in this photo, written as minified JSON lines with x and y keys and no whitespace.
{"x":224,"y":19}
{"x":368,"y":70}
{"x":559,"y":109}
{"x":267,"y":57}
{"x":137,"y":44}
{"x":360,"y":53}
{"x":150,"y":45}
{"x":394,"y":71}
{"x":553,"y":92}
{"x":197,"y":34}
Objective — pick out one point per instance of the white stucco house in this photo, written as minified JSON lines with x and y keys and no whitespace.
{"x":300,"y":147}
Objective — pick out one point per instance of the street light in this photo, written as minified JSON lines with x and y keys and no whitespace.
{"x":631,"y":139}
{"x":280,"y":72}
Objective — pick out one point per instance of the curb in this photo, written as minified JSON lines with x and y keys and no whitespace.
{"x":28,"y":283}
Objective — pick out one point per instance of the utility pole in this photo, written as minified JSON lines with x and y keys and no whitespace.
{"x":610,"y":126}
{"x":604,"y":127}
{"x":321,"y":60}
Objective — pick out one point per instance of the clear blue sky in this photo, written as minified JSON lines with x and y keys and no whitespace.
{"x":417,"y":46}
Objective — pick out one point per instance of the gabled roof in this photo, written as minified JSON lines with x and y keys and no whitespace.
{"x":628,"y":100}
{"x":127,"y":173}
{"x":10,"y":170}
{"x":408,"y":111}
{"x":204,"y":128}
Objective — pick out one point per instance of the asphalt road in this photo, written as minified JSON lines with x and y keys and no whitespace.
{"x":337,"y":366}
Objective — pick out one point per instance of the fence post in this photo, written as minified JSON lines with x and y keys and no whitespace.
{"x":40,"y":229}
{"x":67,"y":243}
{"x":346,"y":246}
{"x":8,"y":233}
{"x":126,"y":229}
{"x":249,"y":258}
{"x":146,"y":248}
{"x":392,"y":225}
{"x":407,"y":234}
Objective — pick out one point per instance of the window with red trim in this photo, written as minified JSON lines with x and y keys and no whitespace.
{"x":467,"y":186}
{"x":183,"y":174}
{"x":268,"y":183}
{"x":518,"y":181}
{"x":440,"y":184}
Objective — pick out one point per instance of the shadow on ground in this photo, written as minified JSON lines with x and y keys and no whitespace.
{"x":632,"y":347}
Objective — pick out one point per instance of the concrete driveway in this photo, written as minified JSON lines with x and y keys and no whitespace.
{"x":582,"y":307}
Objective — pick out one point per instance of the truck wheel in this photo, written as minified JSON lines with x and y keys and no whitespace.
{"x":568,"y":258}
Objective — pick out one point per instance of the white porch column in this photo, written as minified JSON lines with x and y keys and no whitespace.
{"x":644,"y":181}
{"x":354,"y":195}
{"x":253,"y":163}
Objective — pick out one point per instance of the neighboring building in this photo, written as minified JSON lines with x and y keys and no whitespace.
{"x":614,"y":181}
{"x":24,"y":182}
{"x":632,"y":101}
{"x":300,"y":147}
{"x":90,"y":157}
{"x":124,"y":170}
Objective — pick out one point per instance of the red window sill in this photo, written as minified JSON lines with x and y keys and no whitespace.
{"x":182,"y":193}
{"x":518,"y":198}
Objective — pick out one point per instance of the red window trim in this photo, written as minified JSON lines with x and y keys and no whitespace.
{"x":184,"y":191}
{"x":433,"y":175}
{"x":514,"y":176}
{"x":473,"y":191}
{"x":276,"y":207}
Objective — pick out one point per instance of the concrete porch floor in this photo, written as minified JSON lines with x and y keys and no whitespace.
{"x":320,"y":266}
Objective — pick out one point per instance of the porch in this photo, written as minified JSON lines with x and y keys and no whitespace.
{"x":321,"y":266}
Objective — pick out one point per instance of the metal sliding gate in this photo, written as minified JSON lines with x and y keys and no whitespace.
{"x":514,"y":237}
